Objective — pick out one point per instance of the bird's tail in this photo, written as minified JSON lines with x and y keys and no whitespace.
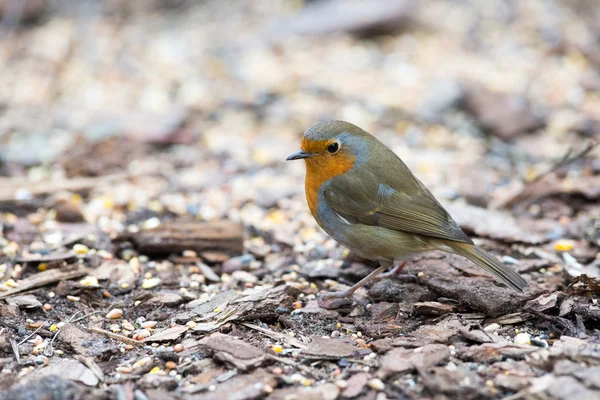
{"x":499,"y":271}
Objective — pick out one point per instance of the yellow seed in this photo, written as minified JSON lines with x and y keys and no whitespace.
{"x":42,"y":267}
{"x":124,"y":285}
{"x":11,"y":283}
{"x":154,"y":370}
{"x":564,"y":245}
{"x":218,"y":309}
{"x":53,"y":328}
{"x":277,"y":348}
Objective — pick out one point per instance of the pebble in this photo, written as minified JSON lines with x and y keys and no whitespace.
{"x":191,"y":324}
{"x":522,"y":338}
{"x":170,"y":365}
{"x":150,"y":283}
{"x":376,"y":384}
{"x":81,"y":249}
{"x":89,"y":281}
{"x":492,"y":327}
{"x":115,"y":313}
{"x":341,"y":383}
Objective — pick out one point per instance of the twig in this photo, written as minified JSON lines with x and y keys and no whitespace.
{"x":91,"y":364}
{"x":33,"y":333}
{"x":43,"y":279}
{"x":116,"y":336}
{"x":15,"y":349}
{"x":528,"y":189}
{"x":277,"y":335}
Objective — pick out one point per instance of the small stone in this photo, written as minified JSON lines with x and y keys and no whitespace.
{"x":190,"y":254}
{"x":170,"y":365}
{"x":522,"y":338}
{"x":191,"y":324}
{"x":492,"y":327}
{"x":89,"y":281}
{"x":115,"y":313}
{"x":341,"y":383}
{"x":178,"y":348}
{"x":80,"y":249}
{"x":376,"y":384}
{"x":150,"y":283}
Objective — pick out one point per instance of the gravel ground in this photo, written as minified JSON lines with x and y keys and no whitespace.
{"x":155,"y":244}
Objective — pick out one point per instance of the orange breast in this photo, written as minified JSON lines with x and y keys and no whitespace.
{"x":320,"y":169}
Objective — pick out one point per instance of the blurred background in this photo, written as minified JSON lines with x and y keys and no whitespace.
{"x":190,"y":107}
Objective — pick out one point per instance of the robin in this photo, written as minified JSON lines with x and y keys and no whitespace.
{"x":366,"y":198}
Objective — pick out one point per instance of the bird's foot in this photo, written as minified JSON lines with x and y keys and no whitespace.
{"x":337,"y":300}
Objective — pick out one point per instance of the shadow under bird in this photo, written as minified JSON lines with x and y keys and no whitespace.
{"x":366,"y":198}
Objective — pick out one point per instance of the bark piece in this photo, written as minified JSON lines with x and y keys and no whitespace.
{"x":330,"y":349}
{"x":233,"y":351}
{"x":404,"y":360}
{"x":175,"y":237}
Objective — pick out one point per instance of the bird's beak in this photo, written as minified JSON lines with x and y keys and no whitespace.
{"x":298,"y":155}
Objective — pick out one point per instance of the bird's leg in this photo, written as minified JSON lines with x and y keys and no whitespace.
{"x":394,"y":273}
{"x":328,"y":300}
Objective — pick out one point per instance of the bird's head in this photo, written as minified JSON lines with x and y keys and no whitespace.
{"x":332,"y":148}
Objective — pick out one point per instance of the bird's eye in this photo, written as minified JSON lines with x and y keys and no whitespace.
{"x":333,"y":147}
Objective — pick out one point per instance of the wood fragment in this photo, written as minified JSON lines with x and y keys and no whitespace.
{"x":175,"y":237}
{"x":43,"y":279}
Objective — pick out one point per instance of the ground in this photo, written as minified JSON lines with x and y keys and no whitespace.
{"x":156,"y":245}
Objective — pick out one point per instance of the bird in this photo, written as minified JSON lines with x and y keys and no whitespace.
{"x":362,"y":194}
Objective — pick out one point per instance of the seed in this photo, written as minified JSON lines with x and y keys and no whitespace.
{"x":73,"y":298}
{"x":128,"y":347}
{"x":47,"y":307}
{"x":277,"y":348}
{"x":128,"y":326}
{"x":142,"y":334}
{"x":149,"y":324}
{"x":178,"y":348}
{"x":191,"y":324}
{"x":297,"y":305}
{"x":115,"y":313}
